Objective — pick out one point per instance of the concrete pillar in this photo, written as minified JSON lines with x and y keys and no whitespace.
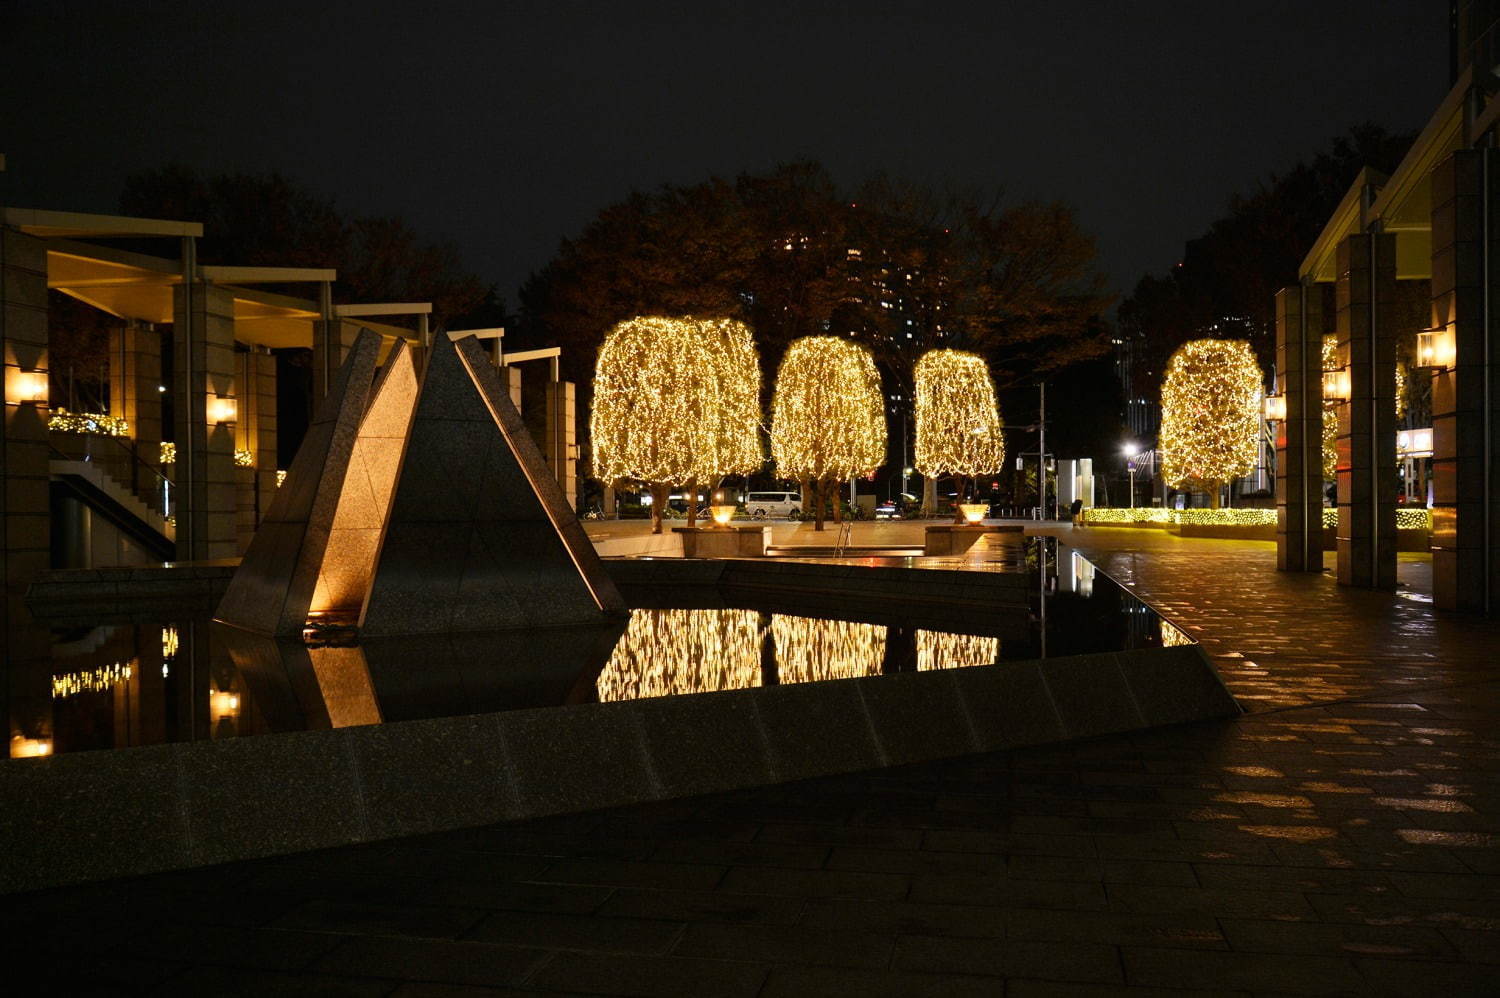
{"x":562,"y":443}
{"x":1464,"y":421}
{"x":24,"y":519}
{"x":203,"y":366}
{"x":1299,"y":438}
{"x":1368,"y":325}
{"x":512,"y":378}
{"x":135,"y":396}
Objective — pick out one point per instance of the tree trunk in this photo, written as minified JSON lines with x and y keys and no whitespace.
{"x":836,"y":492}
{"x":818,"y":491}
{"x":692,"y":502}
{"x":1214,"y":498}
{"x":659,"y":495}
{"x":929,"y":496}
{"x":958,"y":498}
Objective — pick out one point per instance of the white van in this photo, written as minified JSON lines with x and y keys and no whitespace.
{"x":778,"y":504}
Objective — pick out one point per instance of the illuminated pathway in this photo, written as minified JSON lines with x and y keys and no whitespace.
{"x":1348,"y":847}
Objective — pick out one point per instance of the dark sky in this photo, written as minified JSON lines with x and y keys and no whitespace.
{"x":505,"y":126}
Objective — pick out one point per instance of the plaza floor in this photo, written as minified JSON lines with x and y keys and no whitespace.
{"x":1341,"y":838}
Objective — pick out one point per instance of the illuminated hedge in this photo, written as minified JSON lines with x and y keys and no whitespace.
{"x":1210,"y":414}
{"x":88,"y":422}
{"x":676,"y":400}
{"x":167,"y":452}
{"x":1406,"y":519}
{"x":828,"y":415}
{"x":958,"y":421}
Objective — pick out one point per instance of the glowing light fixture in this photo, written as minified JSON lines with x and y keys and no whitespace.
{"x":1336,"y":384}
{"x":973,"y":511}
{"x":722,"y":514}
{"x":223,"y":409}
{"x":30,"y":748}
{"x":1414,"y":443}
{"x":1436,"y":348}
{"x":26,"y":387}
{"x":1276,"y":408}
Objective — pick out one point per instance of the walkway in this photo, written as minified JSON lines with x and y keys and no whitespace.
{"x":1343,"y":839}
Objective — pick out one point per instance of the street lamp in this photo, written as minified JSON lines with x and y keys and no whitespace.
{"x":1130,"y":452}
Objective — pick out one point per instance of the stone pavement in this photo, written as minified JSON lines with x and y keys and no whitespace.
{"x":1350,"y":846}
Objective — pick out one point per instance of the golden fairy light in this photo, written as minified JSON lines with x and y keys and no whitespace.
{"x":676,"y":401}
{"x":96,"y":680}
{"x":665,"y":652}
{"x":828,"y":415}
{"x":1210,"y":415}
{"x":1400,"y":389}
{"x":809,"y":650}
{"x":170,"y":641}
{"x":941,"y":650}
{"x":958,"y":421}
{"x":1330,"y":355}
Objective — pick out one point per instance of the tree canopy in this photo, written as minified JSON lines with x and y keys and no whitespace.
{"x":1226,"y":283}
{"x":897,"y":267}
{"x":268,"y":220}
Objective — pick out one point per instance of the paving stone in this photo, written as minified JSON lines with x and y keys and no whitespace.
{"x":431,"y":960}
{"x":581,"y":932}
{"x":1273,"y":972}
{"x":814,"y":883}
{"x":668,"y":977}
{"x":785,"y":944}
{"x":794,"y":982}
{"x":701,"y":906}
{"x":1009,"y":958}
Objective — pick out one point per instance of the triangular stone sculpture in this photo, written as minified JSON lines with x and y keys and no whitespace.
{"x":272,"y":590}
{"x":479,"y":536}
{"x":354,"y":537}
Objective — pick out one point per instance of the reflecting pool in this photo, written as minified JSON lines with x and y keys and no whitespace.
{"x":127,"y":682}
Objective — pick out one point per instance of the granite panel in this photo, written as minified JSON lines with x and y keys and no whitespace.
{"x":1091,"y":695}
{"x":430,"y":775}
{"x":68,"y":819}
{"x":1009,"y":705}
{"x":577,"y":758}
{"x":705,"y":743}
{"x":817,"y":728}
{"x":918,"y":716}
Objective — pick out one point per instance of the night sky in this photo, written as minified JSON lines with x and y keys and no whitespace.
{"x":505,"y":126}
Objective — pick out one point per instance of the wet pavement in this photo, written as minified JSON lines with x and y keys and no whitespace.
{"x":1344,"y":838}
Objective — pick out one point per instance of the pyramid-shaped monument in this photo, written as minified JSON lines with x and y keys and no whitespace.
{"x":419,"y":510}
{"x":479,"y":536}
{"x":272,"y":590}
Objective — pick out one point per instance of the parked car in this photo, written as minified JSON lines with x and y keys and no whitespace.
{"x":778,"y":504}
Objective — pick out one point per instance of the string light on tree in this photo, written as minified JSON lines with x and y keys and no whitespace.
{"x":676,"y":403}
{"x":828,"y":415}
{"x":1210,"y":415}
{"x":1330,"y":354}
{"x":959,"y":430}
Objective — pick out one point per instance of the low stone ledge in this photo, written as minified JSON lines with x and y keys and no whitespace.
{"x":97,"y":815}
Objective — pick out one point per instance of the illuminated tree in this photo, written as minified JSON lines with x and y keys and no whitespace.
{"x":1210,"y":415}
{"x":828,"y":416}
{"x":676,"y":403}
{"x":958,"y":421}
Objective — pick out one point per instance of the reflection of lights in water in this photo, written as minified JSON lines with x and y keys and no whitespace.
{"x":29,"y":748}
{"x":808,"y":650}
{"x":1171,"y":636}
{"x":169,"y":641}
{"x":1083,"y":575}
{"x":683,"y":651}
{"x":222,"y":704}
{"x":940,"y":650}
{"x":90,"y":680}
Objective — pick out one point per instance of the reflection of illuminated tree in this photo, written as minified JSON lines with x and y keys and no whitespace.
{"x":664,"y":652}
{"x":809,"y":650}
{"x":939,"y":650}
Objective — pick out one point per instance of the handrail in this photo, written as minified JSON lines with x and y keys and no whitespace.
{"x":158,"y":484}
{"x":846,"y":534}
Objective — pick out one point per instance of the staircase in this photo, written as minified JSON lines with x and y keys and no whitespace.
{"x":87,"y":481}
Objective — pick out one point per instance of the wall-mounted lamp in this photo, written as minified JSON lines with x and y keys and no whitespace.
{"x":1436,"y":348}
{"x":223,"y":409}
{"x":1336,"y":384}
{"x":1276,"y":408}
{"x":25,"y":387}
